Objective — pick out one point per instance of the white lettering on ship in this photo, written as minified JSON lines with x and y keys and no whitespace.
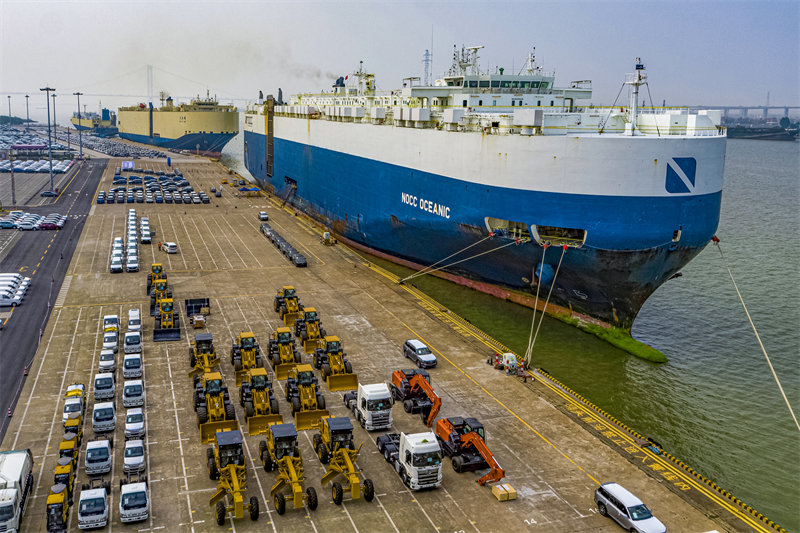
{"x":425,"y":205}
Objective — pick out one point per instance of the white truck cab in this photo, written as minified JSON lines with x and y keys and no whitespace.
{"x":133,"y":393}
{"x":99,"y":456}
{"x":132,"y":365}
{"x":16,"y":486}
{"x":417,"y":458}
{"x":372,"y":405}
{"x":93,"y":504}
{"x":110,"y":321}
{"x":104,"y":417}
{"x":134,"y":506}
{"x":133,"y":342}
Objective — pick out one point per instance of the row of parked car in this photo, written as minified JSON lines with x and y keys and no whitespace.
{"x":13,"y":287}
{"x":167,"y":187}
{"x":128,"y":254}
{"x":134,"y":506}
{"x":23,"y":221}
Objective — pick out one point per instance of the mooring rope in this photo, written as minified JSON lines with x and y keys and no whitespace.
{"x":462,"y":260}
{"x":531,"y":343}
{"x":758,"y":337}
{"x":529,"y":349}
{"x":428,"y":268}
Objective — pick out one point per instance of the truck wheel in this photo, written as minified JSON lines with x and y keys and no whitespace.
{"x":220,"y":513}
{"x":337,"y":493}
{"x":408,"y":406}
{"x":406,"y":480}
{"x":202,"y":415}
{"x":386,"y":453}
{"x":361,"y":420}
{"x":320,"y":401}
{"x":458,"y":463}
{"x":253,"y":508}
{"x":295,"y":406}
{"x":249,"y":410}
{"x":280,"y":503}
{"x":369,"y":490}
{"x":312,"y":498}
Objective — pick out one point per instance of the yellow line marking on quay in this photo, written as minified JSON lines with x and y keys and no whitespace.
{"x":454,"y":321}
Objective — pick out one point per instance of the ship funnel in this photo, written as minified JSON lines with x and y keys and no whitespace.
{"x":280,"y":96}
{"x":260,"y":97}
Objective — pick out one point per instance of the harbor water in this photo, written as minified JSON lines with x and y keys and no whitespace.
{"x":715,"y":404}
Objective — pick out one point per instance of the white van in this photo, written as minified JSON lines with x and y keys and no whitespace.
{"x":133,"y":393}
{"x":170,"y":247}
{"x":133,"y":342}
{"x":104,"y":417}
{"x":132,"y":365}
{"x":104,"y":386}
{"x":134,"y":320}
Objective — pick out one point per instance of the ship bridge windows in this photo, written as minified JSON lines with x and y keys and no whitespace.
{"x":508,"y":228}
{"x":505,"y":84}
{"x":495,"y":84}
{"x":558,"y":236}
{"x":473,"y":83}
{"x":484,"y":84}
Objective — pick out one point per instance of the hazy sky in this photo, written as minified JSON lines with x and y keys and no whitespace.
{"x":699,"y":52}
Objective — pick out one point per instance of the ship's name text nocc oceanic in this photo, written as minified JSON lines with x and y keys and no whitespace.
{"x":426,"y":205}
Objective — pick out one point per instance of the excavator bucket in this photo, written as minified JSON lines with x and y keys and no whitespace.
{"x":310,"y":345}
{"x":282,"y":370}
{"x":209,"y":429}
{"x":166,"y":334}
{"x":309,"y":419}
{"x":340,"y":382}
{"x":258,"y":424}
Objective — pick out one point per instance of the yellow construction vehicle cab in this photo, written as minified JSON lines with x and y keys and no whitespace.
{"x":302,"y":392}
{"x":202,"y":355}
{"x":227,"y":465}
{"x":280,"y":452}
{"x":167,"y":327}
{"x":288,"y":305}
{"x":69,"y":448}
{"x":282,"y":352}
{"x":334,"y":447}
{"x":309,"y":329}
{"x":214,"y":409}
{"x":156,"y":273}
{"x":58,"y":504}
{"x":64,"y":474}
{"x":74,"y":424}
{"x":260,"y":406}
{"x":336,"y":369}
{"x":159,"y":291}
{"x":245,"y":354}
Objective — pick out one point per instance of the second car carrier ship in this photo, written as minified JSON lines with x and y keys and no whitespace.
{"x":506,"y":182}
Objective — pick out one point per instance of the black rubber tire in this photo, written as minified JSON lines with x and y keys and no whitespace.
{"x":386,"y":453}
{"x":220,"y":513}
{"x":273,"y":406}
{"x":262,"y":446}
{"x":253,"y":508}
{"x":209,"y":453}
{"x":249,"y":410}
{"x":601,"y":508}
{"x":266,"y":460}
{"x":202,"y":415}
{"x":368,"y":490}
{"x":295,"y":406}
{"x":213,"y":473}
{"x":297,"y":357}
{"x":280,"y":503}
{"x":322,"y":453}
{"x":237,"y":364}
{"x":458,"y":463}
{"x":326,"y":371}
{"x":312,"y":498}
{"x":408,"y":406}
{"x":230,"y":412}
{"x":320,"y":401}
{"x":192,"y":359}
{"x":348,"y":368}
{"x":337,"y":493}
{"x":316,"y":439}
{"x":288,"y":393}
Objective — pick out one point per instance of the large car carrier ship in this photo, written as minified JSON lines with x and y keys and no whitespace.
{"x":202,"y":126}
{"x":503,"y":181}
{"x":103,"y":124}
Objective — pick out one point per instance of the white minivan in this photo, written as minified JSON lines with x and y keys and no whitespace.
{"x":133,"y":342}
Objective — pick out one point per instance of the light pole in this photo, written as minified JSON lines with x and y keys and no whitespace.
{"x":49,"y":142}
{"x":9,"y":109}
{"x":80,"y":126}
{"x":55,"y":122}
{"x":27,"y":115}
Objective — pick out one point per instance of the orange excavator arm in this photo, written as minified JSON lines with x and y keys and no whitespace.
{"x":417,"y":381}
{"x":496,"y":473}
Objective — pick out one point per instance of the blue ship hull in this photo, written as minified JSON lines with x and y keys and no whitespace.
{"x":205,"y":142}
{"x":625,"y":258}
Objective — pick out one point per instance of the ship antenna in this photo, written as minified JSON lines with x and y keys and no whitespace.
{"x":635,"y":80}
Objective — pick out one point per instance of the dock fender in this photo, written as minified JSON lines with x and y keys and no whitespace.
{"x":544,"y":273}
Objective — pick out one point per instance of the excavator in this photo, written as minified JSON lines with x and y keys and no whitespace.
{"x":159,"y":291}
{"x":280,"y":452}
{"x":227,"y":465}
{"x":309,"y":329}
{"x":308,"y":403}
{"x":334,"y":447}
{"x":156,"y":273}
{"x":336,"y":369}
{"x":215,"y":412}
{"x":282,"y":352}
{"x":202,"y":355}
{"x":413,"y":388}
{"x":464,"y":441}
{"x":288,"y":305}
{"x":260,"y":406}
{"x":167,"y":326}
{"x":245,"y":355}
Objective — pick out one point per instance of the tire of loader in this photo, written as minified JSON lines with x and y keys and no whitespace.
{"x":320,"y":401}
{"x":273,"y":406}
{"x":230,"y":412}
{"x":213,"y":473}
{"x":326,"y":371}
{"x":237,"y":363}
{"x":312,"y":498}
{"x":209,"y":453}
{"x":322,"y":453}
{"x":368,"y":490}
{"x":192,"y":359}
{"x":348,"y":368}
{"x":337,"y":493}
{"x":202,"y":415}
{"x":295,"y":406}
{"x":280,"y":503}
{"x":220,"y":513}
{"x":249,"y":410}
{"x":253,"y":508}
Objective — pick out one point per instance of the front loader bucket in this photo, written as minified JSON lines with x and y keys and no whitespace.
{"x":289,"y":318}
{"x":258,"y":424}
{"x":339,"y":382}
{"x":282,"y":370}
{"x":209,"y":429}
{"x":309,"y":419}
{"x":310,"y":345}
{"x":240,"y":374}
{"x":166,"y":334}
